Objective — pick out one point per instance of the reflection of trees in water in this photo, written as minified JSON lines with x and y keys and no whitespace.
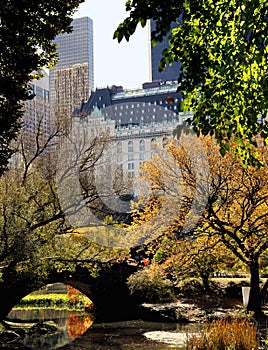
{"x":76,"y":298}
{"x":52,"y":328}
{"x":78,"y":324}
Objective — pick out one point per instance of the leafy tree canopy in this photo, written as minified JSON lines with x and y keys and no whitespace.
{"x":222,"y":45}
{"x":208,"y":201}
{"x":26,"y":31}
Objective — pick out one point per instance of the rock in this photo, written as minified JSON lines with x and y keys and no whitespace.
{"x":11,"y":340}
{"x":179,"y":312}
{"x":42,"y":328}
{"x":8,"y":337}
{"x":174,"y":338}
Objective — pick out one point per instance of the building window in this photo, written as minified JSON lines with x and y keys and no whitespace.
{"x":153,"y":144}
{"x":164,"y":141}
{"x":130,"y":146}
{"x":119,"y":159}
{"x":130,"y":157}
{"x":130,"y":166}
{"x":119,"y":147}
{"x":142,"y":146}
{"x":142,"y":156}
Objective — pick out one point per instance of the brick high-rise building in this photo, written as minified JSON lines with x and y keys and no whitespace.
{"x":72,"y":79}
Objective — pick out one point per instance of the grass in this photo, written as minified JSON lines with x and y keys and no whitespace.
{"x":55,"y":300}
{"x":224,"y":334}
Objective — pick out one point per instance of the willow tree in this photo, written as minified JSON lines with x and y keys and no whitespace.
{"x":27,"y":29}
{"x":219,"y":201}
{"x":222,"y":45}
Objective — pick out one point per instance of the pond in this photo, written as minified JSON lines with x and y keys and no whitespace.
{"x":75,"y":330}
{"x":50,"y":328}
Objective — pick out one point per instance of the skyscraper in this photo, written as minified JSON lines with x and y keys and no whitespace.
{"x":37,"y":117}
{"x":72,"y":79}
{"x":171,"y":73}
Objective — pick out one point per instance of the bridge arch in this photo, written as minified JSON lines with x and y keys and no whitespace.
{"x":107,"y":290}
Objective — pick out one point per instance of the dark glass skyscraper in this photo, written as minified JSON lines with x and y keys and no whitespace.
{"x":171,"y":73}
{"x":72,"y":79}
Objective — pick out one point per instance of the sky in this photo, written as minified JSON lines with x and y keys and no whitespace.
{"x":125,"y":64}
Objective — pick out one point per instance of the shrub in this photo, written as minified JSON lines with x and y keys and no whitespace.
{"x":234,"y":290}
{"x":224,"y":334}
{"x":151,"y":286}
{"x":190,"y":287}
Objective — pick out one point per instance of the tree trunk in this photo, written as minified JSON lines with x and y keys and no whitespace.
{"x":254,"y":303}
{"x":264,"y":293}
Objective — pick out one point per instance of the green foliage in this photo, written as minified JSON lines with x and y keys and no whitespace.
{"x":190,"y":287}
{"x":26,"y":32}
{"x":223,"y":334}
{"x":51,"y":300}
{"x":35,"y":242}
{"x":142,"y":10}
{"x":150,"y":285}
{"x":45,"y":300}
{"x":223,"y":50}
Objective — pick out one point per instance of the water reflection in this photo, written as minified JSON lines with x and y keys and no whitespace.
{"x":48,"y":329}
{"x":75,"y":330}
{"x":131,"y":335}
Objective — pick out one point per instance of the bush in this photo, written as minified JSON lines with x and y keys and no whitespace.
{"x":190,"y":287}
{"x":151,"y":286}
{"x":224,"y":334}
{"x":234,"y":290}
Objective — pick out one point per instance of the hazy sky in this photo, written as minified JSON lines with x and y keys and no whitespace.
{"x":125,"y":64}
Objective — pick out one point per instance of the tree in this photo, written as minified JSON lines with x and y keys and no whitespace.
{"x":36,"y":240}
{"x":194,"y":258}
{"x":26,"y":34}
{"x":223,"y":49}
{"x":221,"y":202}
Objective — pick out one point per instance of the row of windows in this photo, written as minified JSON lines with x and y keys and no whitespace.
{"x":130,"y":145}
{"x":142,"y":156}
{"x":126,"y":105}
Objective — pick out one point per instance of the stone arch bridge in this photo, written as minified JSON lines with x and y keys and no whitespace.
{"x":108,"y":290}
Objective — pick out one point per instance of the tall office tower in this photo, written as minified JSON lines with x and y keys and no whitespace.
{"x":72,"y":79}
{"x":171,"y":73}
{"x":37,"y":116}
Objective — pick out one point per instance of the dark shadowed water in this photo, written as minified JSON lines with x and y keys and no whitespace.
{"x":131,"y":335}
{"x":75,"y":331}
